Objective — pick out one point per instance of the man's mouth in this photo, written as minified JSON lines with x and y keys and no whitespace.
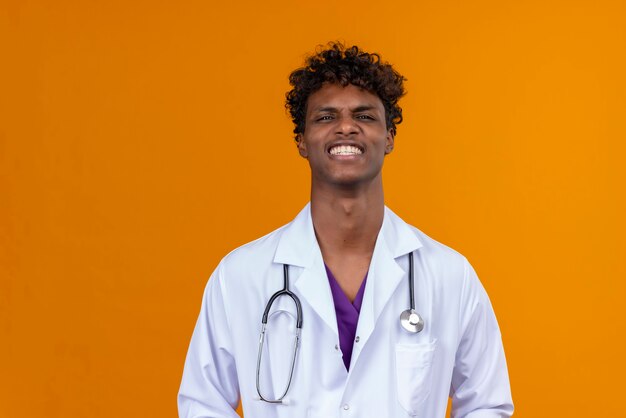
{"x":345,"y":150}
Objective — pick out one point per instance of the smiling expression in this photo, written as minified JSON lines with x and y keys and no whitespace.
{"x":345,"y":137}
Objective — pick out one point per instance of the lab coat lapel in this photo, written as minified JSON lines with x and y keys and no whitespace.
{"x":383,"y":278}
{"x":313,"y":287}
{"x":298,"y":247}
{"x":395,"y":239}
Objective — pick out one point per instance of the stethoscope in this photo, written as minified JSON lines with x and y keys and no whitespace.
{"x":409,"y":319}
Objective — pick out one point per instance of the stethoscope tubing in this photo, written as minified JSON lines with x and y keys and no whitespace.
{"x":411,"y":283}
{"x":284,"y":291}
{"x":287,"y":292}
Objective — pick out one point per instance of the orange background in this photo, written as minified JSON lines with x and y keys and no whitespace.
{"x":141,"y":141}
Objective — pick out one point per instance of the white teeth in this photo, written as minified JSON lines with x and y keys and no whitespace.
{"x":345,"y":150}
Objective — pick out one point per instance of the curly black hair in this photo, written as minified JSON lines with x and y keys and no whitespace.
{"x":337,"y":64}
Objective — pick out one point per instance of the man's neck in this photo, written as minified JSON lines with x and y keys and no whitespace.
{"x":347,"y":222}
{"x":346,"y":225}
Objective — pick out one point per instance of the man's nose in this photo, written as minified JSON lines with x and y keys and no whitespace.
{"x":346,"y":126}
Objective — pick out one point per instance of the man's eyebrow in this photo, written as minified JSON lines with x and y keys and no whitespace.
{"x":363,"y":108}
{"x":326,"y":109}
{"x":360,"y":108}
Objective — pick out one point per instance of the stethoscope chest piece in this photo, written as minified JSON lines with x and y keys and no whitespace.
{"x":411,"y":321}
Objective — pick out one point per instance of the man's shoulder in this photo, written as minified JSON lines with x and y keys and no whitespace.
{"x":447,"y":265}
{"x":429,"y":246}
{"x":435,"y":247}
{"x":264,"y":246}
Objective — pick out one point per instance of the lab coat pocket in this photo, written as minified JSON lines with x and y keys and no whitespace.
{"x":413,"y":374}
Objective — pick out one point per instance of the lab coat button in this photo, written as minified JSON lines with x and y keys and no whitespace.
{"x":357,"y":339}
{"x":337,"y":347}
{"x":346,"y":407}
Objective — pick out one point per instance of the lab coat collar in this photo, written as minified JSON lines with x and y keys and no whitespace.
{"x":298,"y":244}
{"x":298,"y":247}
{"x":400,"y":238}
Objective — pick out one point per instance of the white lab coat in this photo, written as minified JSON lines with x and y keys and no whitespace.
{"x":393,"y":373}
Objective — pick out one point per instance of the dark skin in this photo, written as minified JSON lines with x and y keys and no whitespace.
{"x":345,"y":140}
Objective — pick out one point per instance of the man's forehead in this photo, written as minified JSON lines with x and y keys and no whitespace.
{"x":336,"y":96}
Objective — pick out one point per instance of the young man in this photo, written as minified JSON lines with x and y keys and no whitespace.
{"x":344,"y":345}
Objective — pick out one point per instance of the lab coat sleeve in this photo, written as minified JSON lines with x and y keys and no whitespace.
{"x":209,"y":387}
{"x":480,"y":382}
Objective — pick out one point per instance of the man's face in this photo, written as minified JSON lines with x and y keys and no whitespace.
{"x":345,"y":137}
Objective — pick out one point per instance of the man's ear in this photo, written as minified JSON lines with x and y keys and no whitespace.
{"x":301,"y":146}
{"x":389,"y":140}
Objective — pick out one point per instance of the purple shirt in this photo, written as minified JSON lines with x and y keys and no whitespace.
{"x":347,"y":315}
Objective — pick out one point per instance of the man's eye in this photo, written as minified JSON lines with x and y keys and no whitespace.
{"x":325,"y":117}
{"x":364,"y":117}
